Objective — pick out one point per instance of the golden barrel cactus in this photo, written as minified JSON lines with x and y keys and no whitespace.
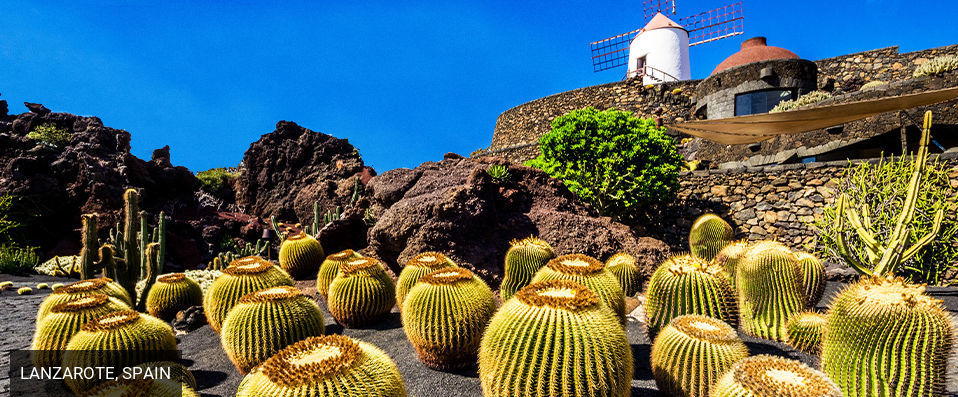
{"x":685,"y":284}
{"x":709,"y":234}
{"x":242,"y":276}
{"x":361,"y":293}
{"x":692,"y":352}
{"x":773,"y":376}
{"x":770,"y":290}
{"x":82,"y":288}
{"x":300,"y":255}
{"x":805,"y":331}
{"x":171,"y":293}
{"x":524,"y":258}
{"x":330,"y":268}
{"x":589,"y":272}
{"x":418,"y":266}
{"x":65,"y":320}
{"x":626,"y":270}
{"x":729,"y":257}
{"x":813,"y":277}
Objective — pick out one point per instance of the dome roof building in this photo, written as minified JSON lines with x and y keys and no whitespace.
{"x":755,"y":49}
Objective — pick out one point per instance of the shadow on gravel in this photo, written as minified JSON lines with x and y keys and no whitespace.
{"x":642,"y":367}
{"x":207,"y":379}
{"x":644,"y":392}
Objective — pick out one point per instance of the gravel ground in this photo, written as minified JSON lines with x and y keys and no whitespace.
{"x":217,"y":376}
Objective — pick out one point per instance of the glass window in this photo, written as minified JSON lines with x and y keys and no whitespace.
{"x":758,"y":102}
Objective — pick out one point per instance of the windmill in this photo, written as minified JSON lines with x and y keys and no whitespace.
{"x":659,"y":51}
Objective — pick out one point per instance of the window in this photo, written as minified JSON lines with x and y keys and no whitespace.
{"x":758,"y":102}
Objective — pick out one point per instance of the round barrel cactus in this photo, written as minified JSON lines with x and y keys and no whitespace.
{"x":300,"y":255}
{"x":143,"y":387}
{"x":361,"y":293}
{"x":685,"y":284}
{"x":710,"y":233}
{"x":524,"y":258}
{"x":330,"y":267}
{"x":242,"y":276}
{"x":171,"y":293}
{"x":332,"y":365}
{"x":589,"y":272}
{"x":805,"y":331}
{"x":887,"y":337}
{"x":692,"y":352}
{"x":65,"y":320}
{"x":729,"y":257}
{"x":813,"y":277}
{"x":770,"y":290}
{"x":444,"y":315}
{"x":82,"y":288}
{"x":264,"y":322}
{"x":419,"y":266}
{"x":555,"y":338}
{"x":626,"y":270}
{"x":120,"y":339}
{"x":772,"y":376}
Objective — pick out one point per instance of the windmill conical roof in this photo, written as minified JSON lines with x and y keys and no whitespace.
{"x":660,"y":21}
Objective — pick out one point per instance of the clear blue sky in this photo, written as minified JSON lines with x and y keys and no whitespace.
{"x":404,"y":83}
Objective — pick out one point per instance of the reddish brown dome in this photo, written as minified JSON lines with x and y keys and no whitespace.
{"x":754,"y":50}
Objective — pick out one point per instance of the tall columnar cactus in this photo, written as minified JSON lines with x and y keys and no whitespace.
{"x":171,"y":293}
{"x":524,"y":258}
{"x":686,"y":284}
{"x":555,"y":338}
{"x":330,"y":268}
{"x":813,"y":277}
{"x":885,"y":337}
{"x":626,"y":270}
{"x":160,"y":237}
{"x":589,"y":272}
{"x":150,"y":265}
{"x":444,"y":315}
{"x":242,"y":276}
{"x":710,"y":233}
{"x":131,"y":247}
{"x":65,"y":319}
{"x":772,"y":376}
{"x":805,"y":331}
{"x":264,"y":322}
{"x":300,"y":255}
{"x":361,"y":293}
{"x":770,"y":290}
{"x":730,"y":256}
{"x":80,"y":289}
{"x":88,"y":254}
{"x":332,"y":365}
{"x":692,"y":352}
{"x":419,"y":266}
{"x":119,"y":339}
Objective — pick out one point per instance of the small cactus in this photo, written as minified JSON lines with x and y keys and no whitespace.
{"x":65,"y":320}
{"x":686,"y":284}
{"x":25,"y":291}
{"x":710,"y":233}
{"x":626,"y":270}
{"x":730,"y":256}
{"x":242,"y":276}
{"x":813,"y":277}
{"x":524,"y":258}
{"x":692,"y":352}
{"x":589,"y":272}
{"x":330,"y":267}
{"x":418,"y":266}
{"x":6,"y":285}
{"x":300,"y":255}
{"x":770,"y":290}
{"x":171,"y":293}
{"x":43,"y":286}
{"x":56,"y":286}
{"x":361,"y":293}
{"x":805,"y":331}
{"x":79,"y":289}
{"x":772,"y":376}
{"x":332,"y":365}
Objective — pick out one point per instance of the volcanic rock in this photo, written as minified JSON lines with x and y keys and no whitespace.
{"x":453,"y":206}
{"x":36,"y":108}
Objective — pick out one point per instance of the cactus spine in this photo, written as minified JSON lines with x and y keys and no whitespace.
{"x":418,"y":266}
{"x":772,"y":376}
{"x":589,"y":272}
{"x":65,"y":319}
{"x":524,"y":258}
{"x":555,"y":338}
{"x":119,"y":339}
{"x":330,"y":268}
{"x":770,"y":290}
{"x":626,"y":270}
{"x":242,"y":276}
{"x":813,"y":277}
{"x":686,"y":284}
{"x":805,"y":331}
{"x":80,"y":289}
{"x":709,"y":235}
{"x":885,"y":337}
{"x":692,"y":352}
{"x":264,"y":322}
{"x":88,"y":253}
{"x":444,"y":315}
{"x":361,"y":293}
{"x":300,"y":255}
{"x":332,"y":365}
{"x":171,"y":293}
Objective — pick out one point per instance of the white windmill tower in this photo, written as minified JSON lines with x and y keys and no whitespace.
{"x":659,"y":51}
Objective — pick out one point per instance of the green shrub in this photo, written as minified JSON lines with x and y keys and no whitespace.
{"x":15,"y":259}
{"x":611,"y":159}
{"x":214,"y":180}
{"x":807,"y":99}
{"x":7,"y":223}
{"x":882,"y":187}
{"x":50,"y":135}
{"x":937,"y":66}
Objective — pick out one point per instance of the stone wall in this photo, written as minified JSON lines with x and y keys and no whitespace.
{"x":716,"y":95}
{"x":850,"y":72}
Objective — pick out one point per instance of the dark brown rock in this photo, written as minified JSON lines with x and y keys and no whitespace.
{"x":454,"y":207}
{"x":189,"y":319}
{"x":36,"y":108}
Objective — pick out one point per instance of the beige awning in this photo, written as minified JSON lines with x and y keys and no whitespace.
{"x":759,"y":127}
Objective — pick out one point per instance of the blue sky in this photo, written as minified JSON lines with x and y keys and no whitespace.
{"x":405,"y":82}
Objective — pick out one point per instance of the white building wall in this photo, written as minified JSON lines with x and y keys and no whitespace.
{"x":665,"y":50}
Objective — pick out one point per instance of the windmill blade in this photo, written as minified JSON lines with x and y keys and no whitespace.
{"x":652,"y":7}
{"x":715,"y":24}
{"x":612,"y":52}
